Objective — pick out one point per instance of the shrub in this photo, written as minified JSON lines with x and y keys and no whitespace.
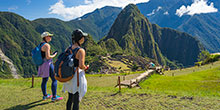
{"x":205,"y":58}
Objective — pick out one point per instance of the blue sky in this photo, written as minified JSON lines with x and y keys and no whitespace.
{"x":70,"y":9}
{"x":61,"y":9}
{"x":33,"y":9}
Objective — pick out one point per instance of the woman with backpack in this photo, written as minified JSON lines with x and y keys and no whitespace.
{"x":46,"y":70}
{"x":77,"y":86}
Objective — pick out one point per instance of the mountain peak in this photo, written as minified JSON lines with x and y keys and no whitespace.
{"x":131,"y":6}
{"x":132,"y":31}
{"x":125,"y":21}
{"x":131,"y":9}
{"x":137,"y":36}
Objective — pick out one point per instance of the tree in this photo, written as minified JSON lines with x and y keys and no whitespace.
{"x":204,"y":55}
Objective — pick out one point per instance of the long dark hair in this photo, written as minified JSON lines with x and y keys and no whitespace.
{"x":77,"y":35}
{"x":44,"y":39}
{"x":76,"y":41}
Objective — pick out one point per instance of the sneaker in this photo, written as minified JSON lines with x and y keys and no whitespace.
{"x":47,"y":97}
{"x":56,"y":98}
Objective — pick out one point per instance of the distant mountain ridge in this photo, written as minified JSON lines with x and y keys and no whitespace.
{"x":135,"y":35}
{"x":206,"y":27}
{"x":98,"y":22}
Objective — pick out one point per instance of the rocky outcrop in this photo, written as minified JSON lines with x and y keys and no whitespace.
{"x":11,"y":65}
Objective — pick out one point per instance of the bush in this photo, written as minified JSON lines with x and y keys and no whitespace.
{"x":134,"y":67}
{"x":206,"y":58}
{"x":211,"y":58}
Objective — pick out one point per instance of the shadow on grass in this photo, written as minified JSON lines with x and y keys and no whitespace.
{"x":28,"y":106}
{"x":117,"y":93}
{"x":26,"y":89}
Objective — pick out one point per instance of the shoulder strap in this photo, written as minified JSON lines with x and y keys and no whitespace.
{"x":42,"y":44}
{"x":74,"y":51}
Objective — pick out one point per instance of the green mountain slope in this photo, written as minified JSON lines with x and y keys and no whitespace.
{"x":96,"y":23}
{"x":59,"y":28}
{"x":131,"y":34}
{"x":204,"y":26}
{"x":17,"y":38}
{"x":178,"y":46}
{"x":137,"y":36}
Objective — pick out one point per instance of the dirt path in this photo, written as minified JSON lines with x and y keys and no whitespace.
{"x":11,"y":65}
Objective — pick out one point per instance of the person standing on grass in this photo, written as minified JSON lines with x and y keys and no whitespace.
{"x":77,"y":86}
{"x":46,"y":70}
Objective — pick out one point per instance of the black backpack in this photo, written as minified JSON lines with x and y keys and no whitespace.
{"x":64,"y":65}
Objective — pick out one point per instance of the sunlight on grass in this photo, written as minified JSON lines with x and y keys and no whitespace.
{"x":203,"y":83}
{"x":187,"y":88}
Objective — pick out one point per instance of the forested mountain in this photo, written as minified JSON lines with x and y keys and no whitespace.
{"x":18,"y":36}
{"x":98,"y":22}
{"x":131,"y":34}
{"x":206,"y":26}
{"x":135,"y":35}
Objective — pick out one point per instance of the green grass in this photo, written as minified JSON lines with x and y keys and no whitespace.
{"x":192,"y":69}
{"x":186,"y":90}
{"x":195,"y":81}
{"x":196,"y":84}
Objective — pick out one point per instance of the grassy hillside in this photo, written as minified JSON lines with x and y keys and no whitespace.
{"x":190,"y":88}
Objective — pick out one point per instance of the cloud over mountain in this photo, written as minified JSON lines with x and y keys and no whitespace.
{"x":69,"y":13}
{"x":154,"y":11}
{"x":197,"y":7}
{"x":12,"y":8}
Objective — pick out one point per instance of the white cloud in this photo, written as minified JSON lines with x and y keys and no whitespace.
{"x":158,"y":8}
{"x":88,"y":1}
{"x":154,"y":11}
{"x":12,"y":8}
{"x":69,"y":13}
{"x":166,"y":13}
{"x":197,"y":7}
